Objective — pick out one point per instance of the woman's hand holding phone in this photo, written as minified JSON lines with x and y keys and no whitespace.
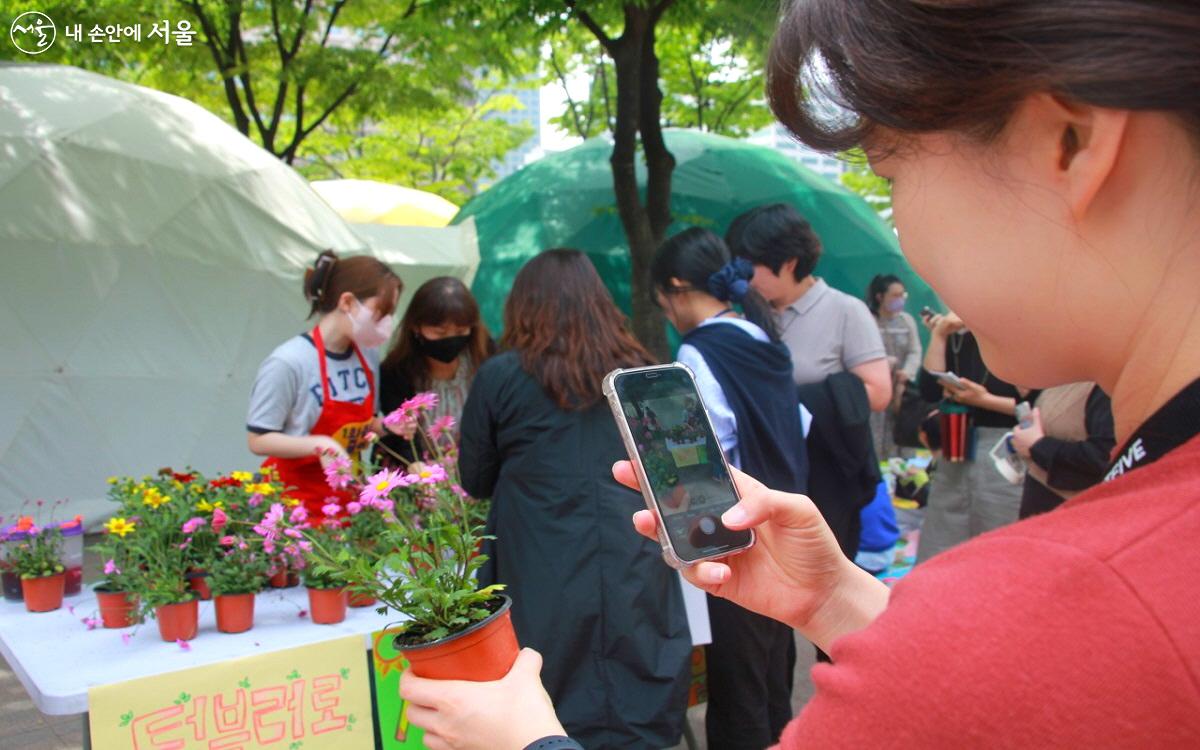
{"x":795,"y":573}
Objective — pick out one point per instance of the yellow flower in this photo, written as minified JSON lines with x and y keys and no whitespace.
{"x":178,"y":485}
{"x":208,"y":507}
{"x":242,"y":476}
{"x":154,"y":498}
{"x":290,"y":502}
{"x":197,"y":489}
{"x":119,"y":526}
{"x":266,"y":489}
{"x":111,"y":480}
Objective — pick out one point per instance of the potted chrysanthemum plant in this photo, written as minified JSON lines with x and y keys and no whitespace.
{"x":425,"y":563}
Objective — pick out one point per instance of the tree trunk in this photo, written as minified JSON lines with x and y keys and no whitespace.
{"x":638,"y":112}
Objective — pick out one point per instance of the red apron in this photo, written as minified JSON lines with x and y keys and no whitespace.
{"x":345,"y":421}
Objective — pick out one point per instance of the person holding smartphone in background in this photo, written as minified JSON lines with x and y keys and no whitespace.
{"x":967,"y":496}
{"x":744,"y":376}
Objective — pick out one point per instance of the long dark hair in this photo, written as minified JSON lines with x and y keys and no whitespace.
{"x":363,"y":276}
{"x":569,"y":334}
{"x":697,"y":256}
{"x":915,"y":66}
{"x":878,"y":287}
{"x":439,"y":301}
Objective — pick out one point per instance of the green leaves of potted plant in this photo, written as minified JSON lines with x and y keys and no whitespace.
{"x":118,"y":606}
{"x":37,"y":558}
{"x":236,"y":575}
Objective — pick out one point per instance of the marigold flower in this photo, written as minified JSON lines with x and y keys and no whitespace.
{"x":154,"y":498}
{"x":206,"y":506}
{"x":266,"y":489}
{"x":119,"y":526}
{"x":242,"y":476}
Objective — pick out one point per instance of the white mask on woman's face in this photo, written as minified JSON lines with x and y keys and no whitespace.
{"x":368,"y":332}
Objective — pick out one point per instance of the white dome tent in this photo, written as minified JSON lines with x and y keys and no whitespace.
{"x":152,"y":257}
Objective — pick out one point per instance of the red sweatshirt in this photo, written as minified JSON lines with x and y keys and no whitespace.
{"x":1078,"y":628}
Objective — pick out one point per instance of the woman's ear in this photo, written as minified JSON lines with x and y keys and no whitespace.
{"x":1073,"y":148}
{"x":346,"y":302}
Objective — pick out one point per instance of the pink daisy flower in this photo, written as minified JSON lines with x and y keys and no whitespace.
{"x":443,"y":426}
{"x":299,"y":515}
{"x":331,"y":509}
{"x":380,"y":484}
{"x":354,"y":508}
{"x":338,"y":473}
{"x":110,"y":568}
{"x":429,"y":474}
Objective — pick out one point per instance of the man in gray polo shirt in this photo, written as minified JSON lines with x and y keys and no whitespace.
{"x":827,"y":331}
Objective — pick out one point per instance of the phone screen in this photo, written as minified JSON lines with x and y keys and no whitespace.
{"x":682,"y":461}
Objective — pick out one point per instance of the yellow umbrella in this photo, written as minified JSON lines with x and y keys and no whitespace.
{"x":370,"y":202}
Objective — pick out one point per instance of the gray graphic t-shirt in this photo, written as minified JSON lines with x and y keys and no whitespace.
{"x":287,"y":396}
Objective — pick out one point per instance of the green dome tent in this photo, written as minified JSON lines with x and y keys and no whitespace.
{"x":567,"y":200}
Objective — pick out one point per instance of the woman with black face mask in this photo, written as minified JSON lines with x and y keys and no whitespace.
{"x":440,"y":344}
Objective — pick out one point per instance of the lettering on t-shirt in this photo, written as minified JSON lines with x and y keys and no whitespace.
{"x":1132,"y":457}
{"x":341,"y":381}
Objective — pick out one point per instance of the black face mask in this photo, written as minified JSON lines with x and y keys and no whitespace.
{"x":443,"y":350}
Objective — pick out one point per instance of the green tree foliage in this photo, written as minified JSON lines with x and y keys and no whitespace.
{"x":315,"y":80}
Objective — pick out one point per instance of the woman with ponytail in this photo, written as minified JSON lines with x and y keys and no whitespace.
{"x":744,"y":375}
{"x":314,"y":396}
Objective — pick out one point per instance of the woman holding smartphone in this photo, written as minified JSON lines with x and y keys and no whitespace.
{"x":1045,"y":168}
{"x":594,"y":599}
{"x":967,"y":496}
{"x":744,"y":375}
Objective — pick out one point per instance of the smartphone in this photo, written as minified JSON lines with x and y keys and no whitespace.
{"x":680,"y":466}
{"x":926,"y":312}
{"x":949,"y":378}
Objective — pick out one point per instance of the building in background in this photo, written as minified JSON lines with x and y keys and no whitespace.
{"x":530,"y":114}
{"x":774,"y":136}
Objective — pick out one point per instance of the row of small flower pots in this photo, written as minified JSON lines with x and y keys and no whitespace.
{"x":235,"y":612}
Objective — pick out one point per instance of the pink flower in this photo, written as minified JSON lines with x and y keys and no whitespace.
{"x":304,"y":545}
{"x":228,"y":541}
{"x":91,"y":622}
{"x":429,"y":474}
{"x":411,"y":409}
{"x":458,"y":491}
{"x":192,"y":525}
{"x":110,"y":568}
{"x":354,"y":508}
{"x":370,"y":437}
{"x":125,"y":638}
{"x":299,"y":515}
{"x":380,"y":484}
{"x":443,"y":426}
{"x":338,"y":473}
{"x":183,"y":645}
{"x":219,"y":520}
{"x":385,"y":505}
{"x":331,"y":509}
{"x":293,"y":533}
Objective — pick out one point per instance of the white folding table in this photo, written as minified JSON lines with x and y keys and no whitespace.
{"x":57,"y":658}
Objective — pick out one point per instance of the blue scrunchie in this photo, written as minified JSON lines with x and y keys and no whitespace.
{"x":732,"y":282}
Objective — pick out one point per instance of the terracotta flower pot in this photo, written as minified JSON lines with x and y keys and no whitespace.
{"x":117,"y":608}
{"x":235,"y":612}
{"x":483,"y":652}
{"x":178,"y":622}
{"x":279,"y":579}
{"x":44,"y":594}
{"x":198,"y":582}
{"x":327,"y":606}
{"x":361,"y":600}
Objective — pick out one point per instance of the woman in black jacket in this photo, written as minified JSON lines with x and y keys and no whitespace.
{"x":537,"y":438}
{"x":441,"y":343}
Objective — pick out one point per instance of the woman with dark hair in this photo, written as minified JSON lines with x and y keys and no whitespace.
{"x":1045,"y":166}
{"x":538,"y":438}
{"x":441,"y":343}
{"x":314,"y":396}
{"x":886,"y":297}
{"x":744,"y":375}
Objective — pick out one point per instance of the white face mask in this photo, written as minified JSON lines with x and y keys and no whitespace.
{"x":368,"y":332}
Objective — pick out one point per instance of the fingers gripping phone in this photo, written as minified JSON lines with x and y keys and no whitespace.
{"x":680,"y":466}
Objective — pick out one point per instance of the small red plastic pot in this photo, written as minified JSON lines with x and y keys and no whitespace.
{"x":198,"y":581}
{"x":483,"y":652}
{"x":235,"y":612}
{"x":44,"y":594}
{"x":327,"y":606}
{"x":361,"y":600}
{"x":117,"y":608}
{"x":178,"y":622}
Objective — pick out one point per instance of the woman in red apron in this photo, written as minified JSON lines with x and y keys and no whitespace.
{"x":314,"y":397}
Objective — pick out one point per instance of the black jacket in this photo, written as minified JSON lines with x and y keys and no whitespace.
{"x":589,"y":593}
{"x":843,"y":469}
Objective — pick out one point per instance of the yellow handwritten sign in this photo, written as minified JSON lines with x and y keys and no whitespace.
{"x":314,"y":697}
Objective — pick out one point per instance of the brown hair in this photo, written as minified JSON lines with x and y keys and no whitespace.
{"x":915,"y":66}
{"x":438,"y":301}
{"x":361,"y":275}
{"x":569,"y":334}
